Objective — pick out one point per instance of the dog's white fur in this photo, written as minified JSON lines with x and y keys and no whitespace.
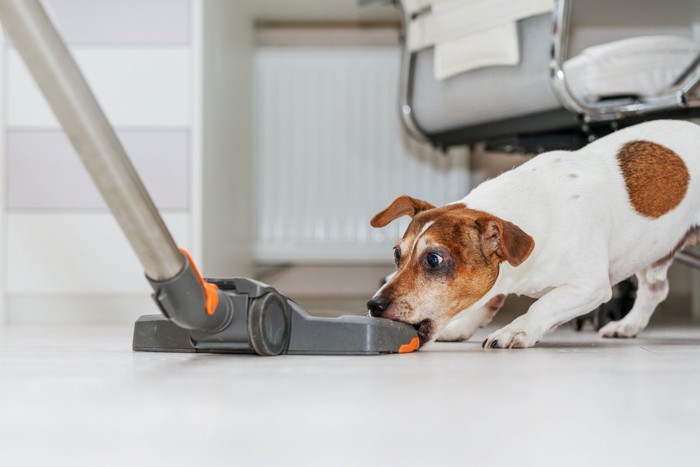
{"x":587,"y":234}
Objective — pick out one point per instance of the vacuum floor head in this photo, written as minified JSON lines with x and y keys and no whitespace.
{"x":265,"y":322}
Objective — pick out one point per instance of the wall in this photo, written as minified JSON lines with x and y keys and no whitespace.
{"x":64,"y":257}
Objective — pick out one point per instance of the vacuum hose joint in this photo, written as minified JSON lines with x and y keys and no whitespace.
{"x":190,"y":302}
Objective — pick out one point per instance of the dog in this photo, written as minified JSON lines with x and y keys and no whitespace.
{"x":563,"y":228}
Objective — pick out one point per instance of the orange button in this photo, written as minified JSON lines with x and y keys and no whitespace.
{"x":411,"y":346}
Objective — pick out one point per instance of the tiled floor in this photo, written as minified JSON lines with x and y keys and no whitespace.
{"x":81,"y":397}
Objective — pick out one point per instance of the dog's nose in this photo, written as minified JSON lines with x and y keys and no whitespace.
{"x":377,"y":306}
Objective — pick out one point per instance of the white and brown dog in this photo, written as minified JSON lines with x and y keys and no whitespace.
{"x":563,"y":228}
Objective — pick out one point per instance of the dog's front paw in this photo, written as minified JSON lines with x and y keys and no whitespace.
{"x":510,"y":339}
{"x":451,"y":337}
{"x":620,"y":329}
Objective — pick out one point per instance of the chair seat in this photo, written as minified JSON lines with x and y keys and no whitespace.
{"x":639,"y":66}
{"x":491,"y":93}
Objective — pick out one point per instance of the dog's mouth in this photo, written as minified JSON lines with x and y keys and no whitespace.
{"x":425,"y":330}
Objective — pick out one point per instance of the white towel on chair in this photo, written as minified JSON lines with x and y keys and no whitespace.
{"x":496,"y":46}
{"x":414,"y":6}
{"x":469,"y":34}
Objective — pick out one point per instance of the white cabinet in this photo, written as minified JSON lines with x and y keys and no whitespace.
{"x":173,"y":76}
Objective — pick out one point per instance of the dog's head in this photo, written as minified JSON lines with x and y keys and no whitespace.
{"x":448,"y":258}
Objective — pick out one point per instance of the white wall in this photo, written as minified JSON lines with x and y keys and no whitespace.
{"x":63,"y":256}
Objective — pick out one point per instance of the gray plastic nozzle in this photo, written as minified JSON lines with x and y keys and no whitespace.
{"x":265,"y":322}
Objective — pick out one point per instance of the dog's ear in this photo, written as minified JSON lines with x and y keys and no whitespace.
{"x":401,"y":206}
{"x":505,"y":240}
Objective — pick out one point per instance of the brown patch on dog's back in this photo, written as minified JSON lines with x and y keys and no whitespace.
{"x":656,"y":177}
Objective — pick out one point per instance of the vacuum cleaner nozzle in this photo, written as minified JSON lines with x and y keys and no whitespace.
{"x":262,"y":321}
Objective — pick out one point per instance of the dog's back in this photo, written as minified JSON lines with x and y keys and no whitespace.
{"x":629,"y":198}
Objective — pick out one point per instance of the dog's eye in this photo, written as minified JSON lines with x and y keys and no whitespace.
{"x":433,"y":260}
{"x":397,"y":255}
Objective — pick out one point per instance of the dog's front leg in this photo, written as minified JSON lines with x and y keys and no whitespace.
{"x":556,"y":307}
{"x":463,"y":328}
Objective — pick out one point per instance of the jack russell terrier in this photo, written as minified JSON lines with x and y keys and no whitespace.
{"x":563,"y":228}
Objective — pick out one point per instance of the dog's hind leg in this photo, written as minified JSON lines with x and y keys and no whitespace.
{"x":462,"y":329}
{"x":652,"y":290}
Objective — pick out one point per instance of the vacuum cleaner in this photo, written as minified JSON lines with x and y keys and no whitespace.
{"x":236,"y":315}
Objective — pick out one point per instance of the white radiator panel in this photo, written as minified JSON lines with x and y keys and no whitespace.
{"x":330,"y":154}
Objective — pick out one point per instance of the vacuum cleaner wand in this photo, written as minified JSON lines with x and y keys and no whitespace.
{"x":238,"y":315}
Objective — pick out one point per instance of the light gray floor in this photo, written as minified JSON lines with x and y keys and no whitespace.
{"x":82,"y":397}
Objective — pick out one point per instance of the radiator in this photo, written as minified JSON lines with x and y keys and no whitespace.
{"x":329,"y":154}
